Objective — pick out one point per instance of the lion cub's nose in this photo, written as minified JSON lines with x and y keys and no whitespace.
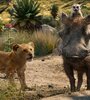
{"x":30,"y":55}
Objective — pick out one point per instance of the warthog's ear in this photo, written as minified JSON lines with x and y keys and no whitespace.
{"x":87,"y":19}
{"x":64,"y":18}
{"x":87,"y":25}
{"x":15,"y":47}
{"x":31,"y":43}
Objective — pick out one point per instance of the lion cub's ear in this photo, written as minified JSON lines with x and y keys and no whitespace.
{"x":31,"y":43}
{"x":15,"y":47}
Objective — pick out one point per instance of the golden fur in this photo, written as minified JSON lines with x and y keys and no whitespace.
{"x":14,"y":62}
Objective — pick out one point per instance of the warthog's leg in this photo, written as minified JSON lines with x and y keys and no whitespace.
{"x":88,"y":79}
{"x":69,"y":72}
{"x":87,"y":60}
{"x":80,"y":79}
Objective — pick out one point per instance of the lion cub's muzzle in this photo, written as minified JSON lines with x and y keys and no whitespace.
{"x":29,"y":57}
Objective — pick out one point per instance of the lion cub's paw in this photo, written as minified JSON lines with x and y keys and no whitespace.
{"x":28,"y":89}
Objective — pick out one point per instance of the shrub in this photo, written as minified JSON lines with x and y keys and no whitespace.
{"x":54,"y":10}
{"x":49,"y":20}
{"x":26,"y":14}
{"x":1,"y":25}
{"x":85,"y":10}
{"x":10,"y":37}
{"x":46,"y":20}
{"x":5,"y":1}
{"x":44,"y":43}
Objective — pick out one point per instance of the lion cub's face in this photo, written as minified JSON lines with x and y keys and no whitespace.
{"x":24,"y":50}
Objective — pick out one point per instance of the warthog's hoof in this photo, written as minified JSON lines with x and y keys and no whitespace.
{"x":78,"y":89}
{"x":73,"y":90}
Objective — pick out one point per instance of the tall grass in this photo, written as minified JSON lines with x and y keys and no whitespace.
{"x":11,"y":93}
{"x":8,"y":38}
{"x":44,"y":42}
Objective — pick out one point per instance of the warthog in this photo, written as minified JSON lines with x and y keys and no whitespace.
{"x":75,"y":39}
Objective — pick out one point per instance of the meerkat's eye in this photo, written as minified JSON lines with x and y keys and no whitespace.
{"x":74,"y":7}
{"x":77,"y":7}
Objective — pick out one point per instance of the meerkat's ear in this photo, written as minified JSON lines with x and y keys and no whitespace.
{"x":80,"y":4}
{"x":64,"y":18}
{"x":31,"y":43}
{"x":15,"y":47}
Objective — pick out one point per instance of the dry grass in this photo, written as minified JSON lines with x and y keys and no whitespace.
{"x":64,"y":5}
{"x":44,"y":42}
{"x":8,"y":38}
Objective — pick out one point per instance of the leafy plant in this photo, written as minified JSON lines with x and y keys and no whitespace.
{"x":26,"y":14}
{"x":5,"y":1}
{"x":49,"y":21}
{"x":1,"y":25}
{"x":54,"y":10}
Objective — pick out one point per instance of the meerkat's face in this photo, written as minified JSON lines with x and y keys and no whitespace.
{"x":76,"y":7}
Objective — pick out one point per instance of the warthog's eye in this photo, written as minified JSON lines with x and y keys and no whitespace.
{"x":25,"y":50}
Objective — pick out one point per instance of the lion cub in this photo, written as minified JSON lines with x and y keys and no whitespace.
{"x":14,"y":62}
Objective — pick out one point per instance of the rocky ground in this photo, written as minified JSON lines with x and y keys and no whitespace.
{"x":46,"y":76}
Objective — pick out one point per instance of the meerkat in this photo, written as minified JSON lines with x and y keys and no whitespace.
{"x":76,"y":11}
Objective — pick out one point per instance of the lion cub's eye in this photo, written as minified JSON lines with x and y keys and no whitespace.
{"x":31,"y":49}
{"x":25,"y":50}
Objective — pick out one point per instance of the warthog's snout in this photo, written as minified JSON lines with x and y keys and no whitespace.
{"x":83,"y":54}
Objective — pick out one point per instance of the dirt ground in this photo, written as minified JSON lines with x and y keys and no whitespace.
{"x":46,"y":76}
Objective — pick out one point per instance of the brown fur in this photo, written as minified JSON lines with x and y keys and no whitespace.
{"x":81,"y":66}
{"x":14,"y":62}
{"x":75,"y":51}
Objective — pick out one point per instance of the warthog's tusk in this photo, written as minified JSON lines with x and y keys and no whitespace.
{"x":75,"y":56}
